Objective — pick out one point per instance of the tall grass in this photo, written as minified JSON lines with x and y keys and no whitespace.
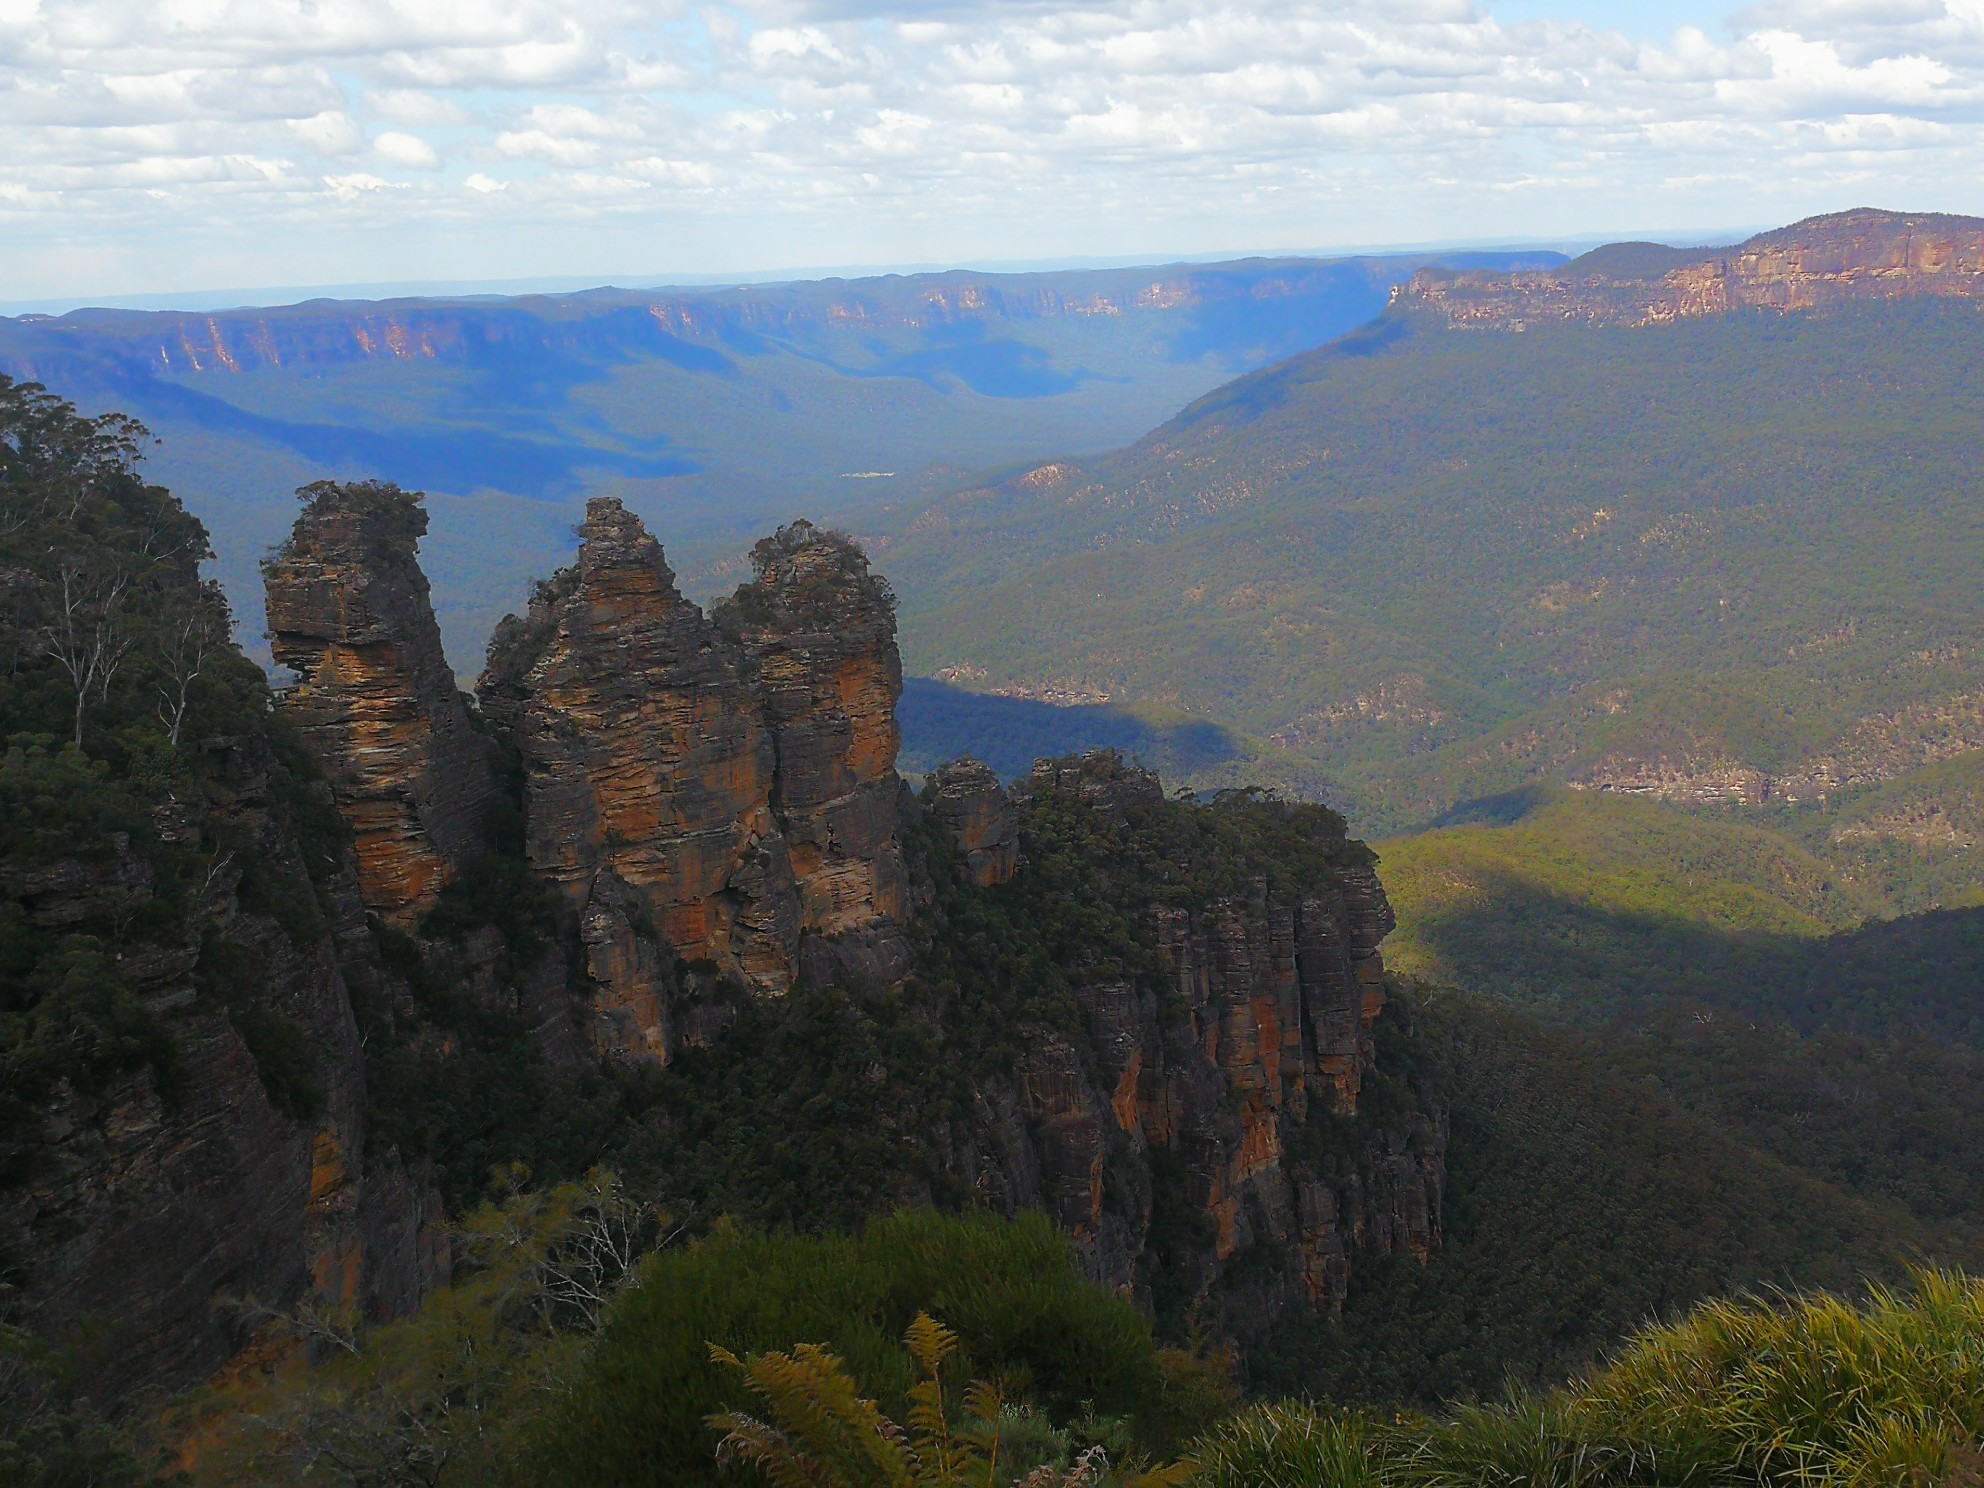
{"x":1811,"y":1392}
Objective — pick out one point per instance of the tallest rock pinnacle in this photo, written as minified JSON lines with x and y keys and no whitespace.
{"x":648,"y":773}
{"x":721,"y":791}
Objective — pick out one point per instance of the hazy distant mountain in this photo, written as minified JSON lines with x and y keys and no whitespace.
{"x":713,"y":411}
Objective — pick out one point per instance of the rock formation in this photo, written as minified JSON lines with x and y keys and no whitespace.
{"x":704,"y":795}
{"x":648,"y":781}
{"x":1223,"y":1073}
{"x":1822,"y":261}
{"x":375,"y":698}
{"x":715,"y":800}
{"x":966,"y":799}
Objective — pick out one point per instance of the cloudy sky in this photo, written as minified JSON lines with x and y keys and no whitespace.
{"x":163,"y":145}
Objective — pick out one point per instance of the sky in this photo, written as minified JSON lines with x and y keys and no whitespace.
{"x":157,"y":146}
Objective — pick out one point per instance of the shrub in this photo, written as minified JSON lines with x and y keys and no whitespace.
{"x":1288,"y":1446}
{"x":1011,"y":1290}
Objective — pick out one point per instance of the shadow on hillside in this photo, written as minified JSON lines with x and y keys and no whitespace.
{"x":941,"y":722}
{"x":1503,"y":810}
{"x":1578,"y":964}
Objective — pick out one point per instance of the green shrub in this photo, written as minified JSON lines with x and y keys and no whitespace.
{"x":82,"y":1023}
{"x":1011,"y":1290}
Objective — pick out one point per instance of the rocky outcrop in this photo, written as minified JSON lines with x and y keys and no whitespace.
{"x":714,"y":799}
{"x":968,"y":802}
{"x":716,"y":802}
{"x":375,"y":698}
{"x":1820,"y":262}
{"x":1201,"y":1122}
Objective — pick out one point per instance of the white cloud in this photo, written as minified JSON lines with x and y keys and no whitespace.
{"x":332,"y":132}
{"x":408,"y":151}
{"x":992,"y":128}
{"x":359,"y":183}
{"x":417,"y":110}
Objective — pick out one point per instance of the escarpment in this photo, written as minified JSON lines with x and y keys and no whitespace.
{"x":349,"y":613}
{"x":1823,"y":261}
{"x":164,"y":1219}
{"x":192,"y":992}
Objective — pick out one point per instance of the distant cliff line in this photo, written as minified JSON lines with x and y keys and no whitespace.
{"x":1836,"y":259}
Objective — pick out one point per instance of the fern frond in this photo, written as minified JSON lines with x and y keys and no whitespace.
{"x":929,"y":1342}
{"x":750,"y":1442}
{"x":841,"y":1439}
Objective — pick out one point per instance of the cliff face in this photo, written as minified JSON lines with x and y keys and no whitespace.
{"x":714,"y":801}
{"x":349,"y":613}
{"x":160,"y":1221}
{"x":1823,"y":261}
{"x":648,"y":781}
{"x":969,"y":803}
{"x":1195,"y":1136}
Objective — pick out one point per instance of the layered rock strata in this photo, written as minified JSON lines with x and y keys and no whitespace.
{"x":711,"y":800}
{"x":375,"y":698}
{"x":1217,"y":1090}
{"x":1823,"y":261}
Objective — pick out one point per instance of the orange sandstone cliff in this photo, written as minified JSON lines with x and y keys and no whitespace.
{"x":1204,"y":1086}
{"x":1823,"y":261}
{"x":714,"y":800}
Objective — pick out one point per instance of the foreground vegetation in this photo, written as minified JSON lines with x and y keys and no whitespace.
{"x":578,"y":1345}
{"x":749,"y":1359}
{"x":1815,"y":1392}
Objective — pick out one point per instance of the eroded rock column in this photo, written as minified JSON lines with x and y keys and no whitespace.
{"x":818,"y":634}
{"x":648,"y":775}
{"x":376,"y":701}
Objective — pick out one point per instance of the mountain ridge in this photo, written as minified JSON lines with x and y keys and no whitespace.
{"x":716,"y":411}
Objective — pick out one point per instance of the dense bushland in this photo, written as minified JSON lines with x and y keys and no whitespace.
{"x":1435,"y":566}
